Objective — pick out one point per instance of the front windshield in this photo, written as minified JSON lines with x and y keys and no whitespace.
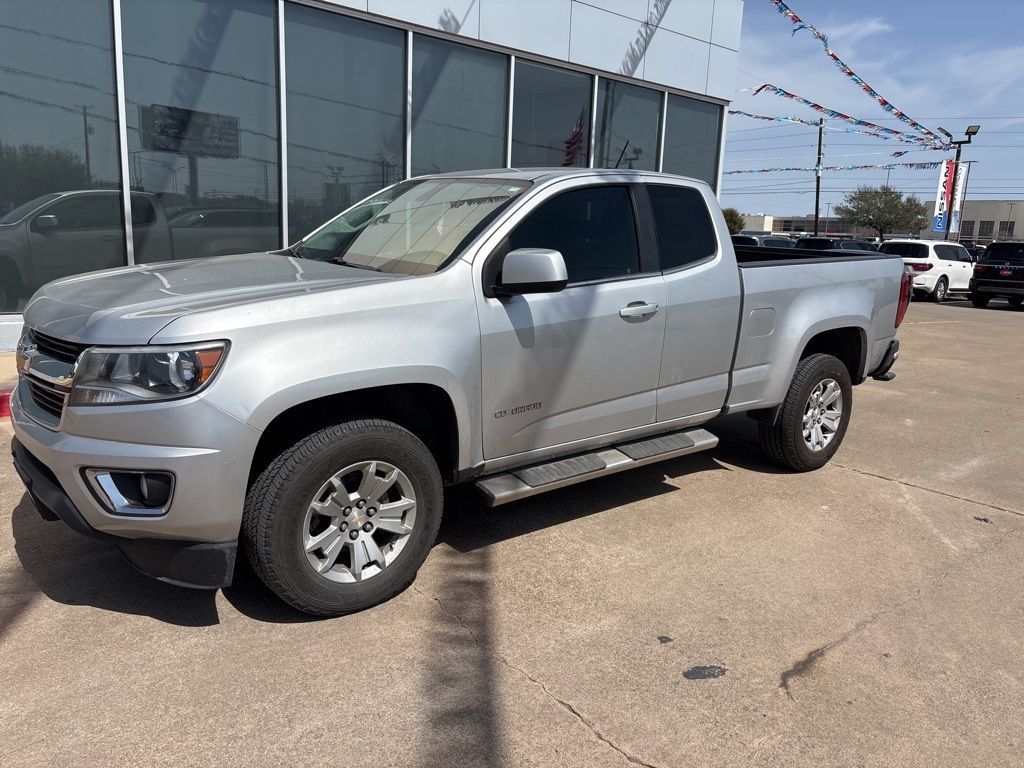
{"x":23,"y":210}
{"x":413,"y":228}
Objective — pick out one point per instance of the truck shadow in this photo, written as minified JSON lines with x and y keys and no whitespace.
{"x":74,"y":570}
{"x":469,"y":524}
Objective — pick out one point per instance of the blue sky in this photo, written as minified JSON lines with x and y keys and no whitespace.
{"x":944,"y":63}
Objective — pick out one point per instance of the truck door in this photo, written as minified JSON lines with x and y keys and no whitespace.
{"x":703,"y":305}
{"x":86,"y":234}
{"x":567,"y":366}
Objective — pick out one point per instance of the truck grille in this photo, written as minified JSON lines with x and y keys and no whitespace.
{"x":65,"y":351}
{"x":47,"y":396}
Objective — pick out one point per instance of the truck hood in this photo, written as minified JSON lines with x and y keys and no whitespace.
{"x":130,"y":305}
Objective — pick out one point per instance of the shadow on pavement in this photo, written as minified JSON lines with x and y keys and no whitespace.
{"x":996,"y":304}
{"x":469,"y":524}
{"x":75,"y":570}
{"x":459,"y":687}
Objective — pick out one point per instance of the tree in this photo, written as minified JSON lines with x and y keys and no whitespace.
{"x":734,"y":220}
{"x":28,"y":171}
{"x":883,"y":209}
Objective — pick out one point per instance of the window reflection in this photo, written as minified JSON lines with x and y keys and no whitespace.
{"x":200,"y":83}
{"x":627,"y":126}
{"x":551,"y":126}
{"x":346,"y":124}
{"x":691,"y":138}
{"x":459,"y":103}
{"x":60,"y":203}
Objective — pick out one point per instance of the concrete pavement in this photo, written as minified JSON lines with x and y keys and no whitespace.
{"x":709,"y":611}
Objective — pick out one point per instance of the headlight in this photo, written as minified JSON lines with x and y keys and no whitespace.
{"x":143,"y":374}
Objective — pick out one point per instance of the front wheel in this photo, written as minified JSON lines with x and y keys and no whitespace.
{"x":343,"y":519}
{"x":980,"y":301}
{"x":812,"y":421}
{"x":941,"y":289}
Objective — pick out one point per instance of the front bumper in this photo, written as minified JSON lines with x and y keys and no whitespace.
{"x":206,"y":450}
{"x":199,"y":564}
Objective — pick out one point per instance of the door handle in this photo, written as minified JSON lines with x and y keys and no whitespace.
{"x":638,"y":309}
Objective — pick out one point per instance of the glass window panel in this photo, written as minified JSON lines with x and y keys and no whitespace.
{"x":200,"y":83}
{"x":551,"y":123}
{"x":593,"y":228}
{"x":692,"y":138}
{"x":685,"y":231}
{"x":58,"y":145}
{"x":459,"y":106}
{"x":627,"y":126}
{"x":346,"y":123}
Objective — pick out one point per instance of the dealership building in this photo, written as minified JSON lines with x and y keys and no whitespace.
{"x":137,"y":131}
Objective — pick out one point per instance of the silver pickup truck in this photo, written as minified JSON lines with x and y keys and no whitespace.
{"x":520,"y":330}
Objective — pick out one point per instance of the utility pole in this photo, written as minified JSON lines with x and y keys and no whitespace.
{"x":85,"y":132}
{"x":817,"y":175}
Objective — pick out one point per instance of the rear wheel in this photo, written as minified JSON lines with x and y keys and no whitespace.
{"x":941,"y":289}
{"x":979,"y":300}
{"x":812,"y":421}
{"x":1016,"y":301}
{"x":343,"y":519}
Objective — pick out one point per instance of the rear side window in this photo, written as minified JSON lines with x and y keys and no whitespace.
{"x":1005,"y":252}
{"x":947,"y":253}
{"x":906,"y":250}
{"x":685,"y":231}
{"x":142,"y":211}
{"x":778,"y":242}
{"x":593,"y":228}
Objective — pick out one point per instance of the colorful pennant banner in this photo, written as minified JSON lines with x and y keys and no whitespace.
{"x":800,"y":121}
{"x":812,"y":169}
{"x":901,"y":136}
{"x":800,"y":24}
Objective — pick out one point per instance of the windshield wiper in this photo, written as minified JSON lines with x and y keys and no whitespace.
{"x":341,"y":260}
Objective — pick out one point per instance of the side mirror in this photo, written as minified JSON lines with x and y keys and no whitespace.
{"x":532,"y":270}
{"x":45,"y":222}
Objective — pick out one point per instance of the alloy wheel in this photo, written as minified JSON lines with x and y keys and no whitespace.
{"x":823,"y":414}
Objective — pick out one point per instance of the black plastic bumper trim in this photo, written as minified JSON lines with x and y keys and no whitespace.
{"x":197,"y":564}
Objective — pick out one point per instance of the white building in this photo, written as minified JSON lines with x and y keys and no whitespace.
{"x":249,"y":122}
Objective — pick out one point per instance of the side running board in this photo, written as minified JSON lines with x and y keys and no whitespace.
{"x":529,"y":481}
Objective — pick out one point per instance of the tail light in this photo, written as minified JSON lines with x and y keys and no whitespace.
{"x":906,"y":287}
{"x":921,"y":267}
{"x":980,"y":269}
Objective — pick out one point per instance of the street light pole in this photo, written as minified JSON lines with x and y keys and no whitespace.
{"x":817,"y":175}
{"x":971,"y":132}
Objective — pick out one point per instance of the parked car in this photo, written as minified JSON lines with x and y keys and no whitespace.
{"x":999,"y":274}
{"x":518,"y":330}
{"x":66,"y":233}
{"x":750,"y":240}
{"x":973,"y":248}
{"x":939,"y":268}
{"x":832,"y":243}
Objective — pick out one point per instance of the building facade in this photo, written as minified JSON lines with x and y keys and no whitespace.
{"x":983,"y":221}
{"x":137,"y":131}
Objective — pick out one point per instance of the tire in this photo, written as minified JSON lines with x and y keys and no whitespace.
{"x":1016,"y":301}
{"x":980,"y":301}
{"x":940,"y":291}
{"x":784,"y":441}
{"x":280,"y":518}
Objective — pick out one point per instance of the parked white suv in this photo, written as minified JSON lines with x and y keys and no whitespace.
{"x":938,"y":268}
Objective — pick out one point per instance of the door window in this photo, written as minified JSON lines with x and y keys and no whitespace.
{"x":102,"y":211}
{"x":143,"y":211}
{"x":685,"y":231}
{"x":946,"y":252}
{"x":593,"y":228}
